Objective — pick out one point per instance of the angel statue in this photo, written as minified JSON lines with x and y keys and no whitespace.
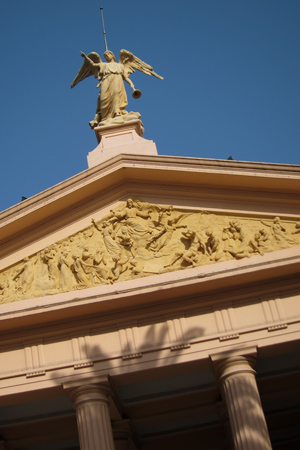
{"x":112,"y":98}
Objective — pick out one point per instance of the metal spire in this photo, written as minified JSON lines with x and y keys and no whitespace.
{"x":105,"y":43}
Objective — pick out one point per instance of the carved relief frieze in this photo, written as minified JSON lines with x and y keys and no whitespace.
{"x":139,"y":239}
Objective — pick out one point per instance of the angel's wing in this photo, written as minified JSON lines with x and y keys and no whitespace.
{"x":132,"y":62}
{"x":86,"y":70}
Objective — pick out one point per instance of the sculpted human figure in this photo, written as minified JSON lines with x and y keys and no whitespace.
{"x":194,"y":253}
{"x":65,"y":272}
{"x":101,"y":272}
{"x":80,"y":275}
{"x":126,"y":241}
{"x":130,"y":211}
{"x":197,"y":246}
{"x":87,"y":262}
{"x":97,"y":271}
{"x":108,"y":234}
{"x":280,"y":233}
{"x":166,"y":227}
{"x":25,"y":276}
{"x":87,"y":257}
{"x":214,"y":246}
{"x":264,"y":240}
{"x":131,"y":214}
{"x":297,"y":226}
{"x":248,"y":244}
{"x":137,"y":266}
{"x":230,"y":239}
{"x":120,"y":265}
{"x":49,"y":257}
{"x":162,"y":232}
{"x":146,"y":208}
{"x":112,"y":98}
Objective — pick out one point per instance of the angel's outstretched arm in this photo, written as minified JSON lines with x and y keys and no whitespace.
{"x":90,"y":66}
{"x":89,"y":60}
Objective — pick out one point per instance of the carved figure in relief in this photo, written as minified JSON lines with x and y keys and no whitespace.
{"x":25,"y":276}
{"x":137,"y":266}
{"x":120,"y":265}
{"x":80,"y":275}
{"x":161,"y":227}
{"x":87,"y":260}
{"x":49,"y":257}
{"x":65,"y":279}
{"x":280,"y":232}
{"x":214,"y":246}
{"x":108,"y":234}
{"x":247,"y":244}
{"x":228,"y":241}
{"x":145,"y":206}
{"x":87,"y":257}
{"x":264,"y":239}
{"x":112,"y":98}
{"x":131,"y":216}
{"x":196,"y":249}
{"x":297,"y":226}
{"x":101,"y":272}
{"x":165,"y":226}
{"x":125,"y":239}
{"x":94,"y":267}
{"x":134,"y":220}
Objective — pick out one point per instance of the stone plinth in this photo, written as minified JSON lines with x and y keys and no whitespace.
{"x":115,"y":139}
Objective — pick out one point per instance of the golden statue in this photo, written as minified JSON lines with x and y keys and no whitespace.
{"x":112,"y":98}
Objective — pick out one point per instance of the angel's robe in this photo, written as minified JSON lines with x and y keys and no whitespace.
{"x":112,"y":98}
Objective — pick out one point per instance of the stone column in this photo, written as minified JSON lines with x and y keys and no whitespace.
{"x":236,"y":376}
{"x":93,"y":419}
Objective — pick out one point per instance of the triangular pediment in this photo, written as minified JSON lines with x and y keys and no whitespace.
{"x":138,"y":239}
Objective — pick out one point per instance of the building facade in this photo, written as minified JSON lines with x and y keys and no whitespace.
{"x":152,"y":302}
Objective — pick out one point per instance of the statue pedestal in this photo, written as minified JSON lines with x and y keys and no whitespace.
{"x":115,"y":139}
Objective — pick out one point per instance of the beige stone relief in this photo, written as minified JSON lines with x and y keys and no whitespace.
{"x":140,"y":239}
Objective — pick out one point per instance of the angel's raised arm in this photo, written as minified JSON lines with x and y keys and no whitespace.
{"x":89,"y":60}
{"x":89,"y":67}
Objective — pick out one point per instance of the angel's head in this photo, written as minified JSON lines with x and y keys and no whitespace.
{"x":109,"y":56}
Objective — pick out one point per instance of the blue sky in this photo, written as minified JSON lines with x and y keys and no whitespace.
{"x":231,"y":73}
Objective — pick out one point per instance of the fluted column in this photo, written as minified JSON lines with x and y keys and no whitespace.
{"x":236,"y":377}
{"x":93,"y":419}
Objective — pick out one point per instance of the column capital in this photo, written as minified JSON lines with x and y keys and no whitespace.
{"x":234,"y":362}
{"x":89,"y":393}
{"x":80,"y":382}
